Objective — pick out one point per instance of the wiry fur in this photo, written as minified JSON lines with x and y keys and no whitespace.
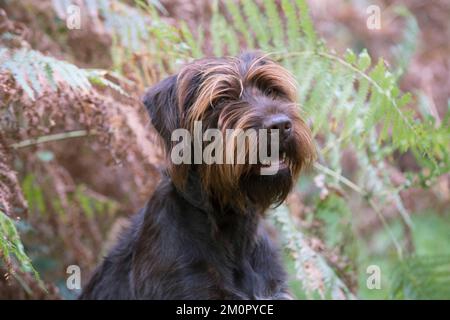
{"x":201,"y":235}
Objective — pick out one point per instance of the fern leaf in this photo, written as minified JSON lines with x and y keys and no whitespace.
{"x":257,"y":23}
{"x":306,"y":22}
{"x":240,"y":23}
{"x":422,"y":277}
{"x":293,"y":30}
{"x":34,"y":72}
{"x":275,"y":24}
{"x":316,"y":275}
{"x":11,"y":246}
{"x":190,"y":41}
{"x":97,"y":77}
{"x":217,"y":31}
{"x":405,"y":49}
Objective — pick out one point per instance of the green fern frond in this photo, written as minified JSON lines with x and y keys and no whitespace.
{"x":218,"y":30}
{"x":239,"y":22}
{"x":12,"y":250}
{"x":292,"y":24}
{"x":98,"y":77}
{"x":317,"y":277}
{"x":422,"y":277}
{"x":274,"y":22}
{"x":191,"y":42}
{"x":404,"y":51}
{"x":257,"y":23}
{"x":35,"y":72}
{"x":306,"y":22}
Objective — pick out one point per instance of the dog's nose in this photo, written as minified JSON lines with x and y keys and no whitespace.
{"x":280,"y":122}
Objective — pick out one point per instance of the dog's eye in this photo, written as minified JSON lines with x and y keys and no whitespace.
{"x":271,"y":91}
{"x":220,"y":101}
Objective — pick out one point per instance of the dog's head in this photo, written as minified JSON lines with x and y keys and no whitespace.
{"x":230,"y":109}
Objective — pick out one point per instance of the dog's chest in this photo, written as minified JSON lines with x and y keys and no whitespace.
{"x":233,"y":266}
{"x":239,"y":280}
{"x":186,"y":252}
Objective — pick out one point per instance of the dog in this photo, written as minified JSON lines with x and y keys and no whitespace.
{"x":202,"y":234}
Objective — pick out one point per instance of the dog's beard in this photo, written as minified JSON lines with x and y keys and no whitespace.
{"x":261,"y":184}
{"x":252,"y":188}
{"x":268,"y":190}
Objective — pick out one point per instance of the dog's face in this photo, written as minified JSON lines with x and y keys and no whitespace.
{"x":249,"y":92}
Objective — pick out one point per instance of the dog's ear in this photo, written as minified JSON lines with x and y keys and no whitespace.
{"x":169,"y":100}
{"x":161,"y":103}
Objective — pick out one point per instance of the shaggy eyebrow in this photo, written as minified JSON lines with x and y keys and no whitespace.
{"x":274,"y":77}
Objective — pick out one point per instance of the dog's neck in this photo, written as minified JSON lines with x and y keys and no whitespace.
{"x":194,"y":193}
{"x":229,"y":223}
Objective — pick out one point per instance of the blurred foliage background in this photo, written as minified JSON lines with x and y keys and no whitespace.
{"x":78,"y":155}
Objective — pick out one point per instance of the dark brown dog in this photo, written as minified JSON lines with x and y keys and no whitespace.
{"x":201,"y":235}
